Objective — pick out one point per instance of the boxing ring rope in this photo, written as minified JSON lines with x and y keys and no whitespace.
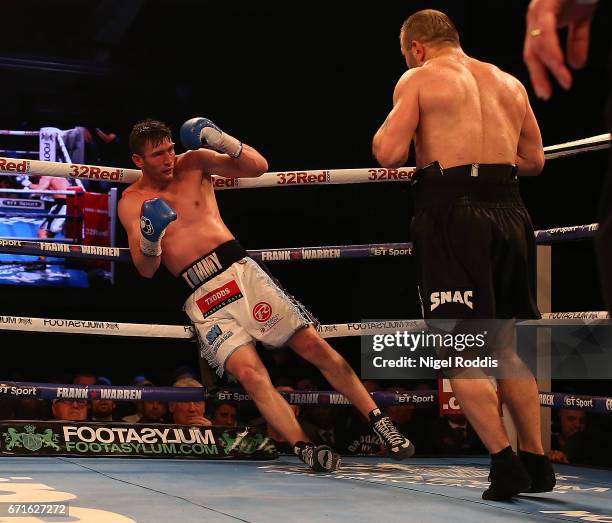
{"x":420,"y":398}
{"x":369,"y":250}
{"x":8,"y":151}
{"x":27,"y":192}
{"x":334,"y":330}
{"x":4,"y":132}
{"x":14,"y":167}
{"x":18,"y":167}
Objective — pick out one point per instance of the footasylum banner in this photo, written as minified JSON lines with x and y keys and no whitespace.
{"x":67,"y":438}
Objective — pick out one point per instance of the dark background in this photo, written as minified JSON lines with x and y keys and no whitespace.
{"x":306,"y":83}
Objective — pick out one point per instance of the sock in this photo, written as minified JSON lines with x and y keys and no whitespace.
{"x":375,"y":414}
{"x":532,"y":458}
{"x":502,"y":456}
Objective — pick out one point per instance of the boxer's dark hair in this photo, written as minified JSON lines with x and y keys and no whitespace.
{"x":149,"y":130}
{"x":428,"y":26}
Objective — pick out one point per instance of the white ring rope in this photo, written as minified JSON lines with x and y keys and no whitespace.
{"x":13,"y":166}
{"x":594,"y":143}
{"x":5,"y":132}
{"x":105,"y":328}
{"x":26,"y":192}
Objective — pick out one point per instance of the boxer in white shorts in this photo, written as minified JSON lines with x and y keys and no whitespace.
{"x":171,"y":216}
{"x":241,"y":305}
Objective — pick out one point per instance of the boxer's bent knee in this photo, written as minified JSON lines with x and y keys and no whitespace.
{"x":309,"y":345}
{"x":251,"y":377}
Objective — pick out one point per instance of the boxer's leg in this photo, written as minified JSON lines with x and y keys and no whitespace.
{"x":246,"y":366}
{"x":309,"y":345}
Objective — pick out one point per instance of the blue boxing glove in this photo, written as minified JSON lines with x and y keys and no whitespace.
{"x":201,"y":132}
{"x":23,"y":180}
{"x":155,"y":216}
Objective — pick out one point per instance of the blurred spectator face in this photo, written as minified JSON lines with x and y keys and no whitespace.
{"x":73,"y":410}
{"x":102,"y":408}
{"x":183,"y":412}
{"x":225,"y":414}
{"x":84,"y":379}
{"x":572,"y":421}
{"x":305,"y":384}
{"x":153,"y":410}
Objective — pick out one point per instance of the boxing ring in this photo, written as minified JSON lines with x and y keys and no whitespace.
{"x":220,"y":490}
{"x":25,"y":210}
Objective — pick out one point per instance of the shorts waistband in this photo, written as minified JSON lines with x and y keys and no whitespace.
{"x":212,"y":264}
{"x":488,"y":172}
{"x":490,"y":183}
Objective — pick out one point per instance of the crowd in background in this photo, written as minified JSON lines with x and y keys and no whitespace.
{"x":577,"y":437}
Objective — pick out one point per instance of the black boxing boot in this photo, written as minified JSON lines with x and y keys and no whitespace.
{"x":541,"y":471}
{"x":508,"y":476}
{"x":319,"y":458}
{"x":398,"y":446}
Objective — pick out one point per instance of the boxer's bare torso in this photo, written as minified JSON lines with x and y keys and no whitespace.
{"x":458,"y":111}
{"x":184,"y":182}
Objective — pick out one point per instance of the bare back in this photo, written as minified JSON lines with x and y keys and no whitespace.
{"x":470,"y":112}
{"x":198,"y":228}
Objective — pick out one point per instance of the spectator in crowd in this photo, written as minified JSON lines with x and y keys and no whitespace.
{"x":581,"y":439}
{"x":183,"y":371}
{"x":102,"y":409}
{"x":70,"y":409}
{"x":572,"y":423}
{"x":85,"y":378}
{"x":147,"y":411}
{"x":189,"y":412}
{"x":451,"y":434}
{"x":306,"y":384}
{"x":225,"y":414}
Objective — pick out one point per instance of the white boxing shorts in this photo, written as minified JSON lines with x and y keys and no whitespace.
{"x":235,"y":303}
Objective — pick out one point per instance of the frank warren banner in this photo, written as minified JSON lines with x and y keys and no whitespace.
{"x":65,"y":438}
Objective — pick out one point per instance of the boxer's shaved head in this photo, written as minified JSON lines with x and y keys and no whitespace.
{"x":429,"y":27}
{"x":148,"y":131}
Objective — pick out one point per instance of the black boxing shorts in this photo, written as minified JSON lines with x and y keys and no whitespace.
{"x":474,"y":243}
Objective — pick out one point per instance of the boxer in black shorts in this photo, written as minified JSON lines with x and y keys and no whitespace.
{"x":474,"y":243}
{"x":474,"y":131}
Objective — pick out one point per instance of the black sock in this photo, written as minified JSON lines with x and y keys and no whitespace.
{"x":375,"y":414}
{"x":534,"y":462}
{"x":503,"y":455}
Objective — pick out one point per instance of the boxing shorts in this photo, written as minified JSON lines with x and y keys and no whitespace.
{"x":233,"y":301}
{"x":55,"y":225}
{"x":474,"y":243}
